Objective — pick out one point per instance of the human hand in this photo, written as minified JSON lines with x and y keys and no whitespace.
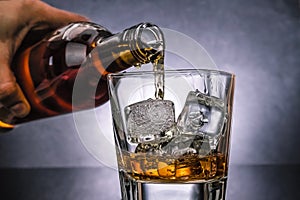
{"x":17,"y":18}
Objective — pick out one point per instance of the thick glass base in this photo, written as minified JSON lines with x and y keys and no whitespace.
{"x":132,"y":190}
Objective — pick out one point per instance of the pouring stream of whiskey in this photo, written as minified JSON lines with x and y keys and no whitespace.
{"x":159,"y":78}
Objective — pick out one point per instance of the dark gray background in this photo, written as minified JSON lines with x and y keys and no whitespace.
{"x":258,"y":40}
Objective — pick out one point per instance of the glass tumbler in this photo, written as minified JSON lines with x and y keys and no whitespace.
{"x":175,"y":147}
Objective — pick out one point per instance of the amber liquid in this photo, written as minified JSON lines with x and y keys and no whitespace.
{"x":144,"y":167}
{"x":159,"y":77}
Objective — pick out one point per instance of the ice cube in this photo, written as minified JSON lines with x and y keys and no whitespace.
{"x":202,"y":115}
{"x":150,"y":121}
{"x":187,"y":144}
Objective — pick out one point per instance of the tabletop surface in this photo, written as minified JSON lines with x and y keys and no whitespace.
{"x":244,"y":183}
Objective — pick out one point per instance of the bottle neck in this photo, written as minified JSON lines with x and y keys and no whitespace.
{"x":140,"y":44}
{"x":146,"y":42}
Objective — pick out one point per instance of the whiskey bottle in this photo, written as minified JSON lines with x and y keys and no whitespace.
{"x":78,"y":57}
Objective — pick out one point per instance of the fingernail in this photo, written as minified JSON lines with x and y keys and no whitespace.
{"x":19,"y":110}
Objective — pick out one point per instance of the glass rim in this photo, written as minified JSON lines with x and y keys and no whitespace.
{"x":172,"y":71}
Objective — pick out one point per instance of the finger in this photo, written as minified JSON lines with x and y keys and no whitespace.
{"x":53,"y":17}
{"x":11,"y":96}
{"x":32,"y":15}
{"x":37,"y":15}
{"x":13,"y":99}
{"x":5,"y":116}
